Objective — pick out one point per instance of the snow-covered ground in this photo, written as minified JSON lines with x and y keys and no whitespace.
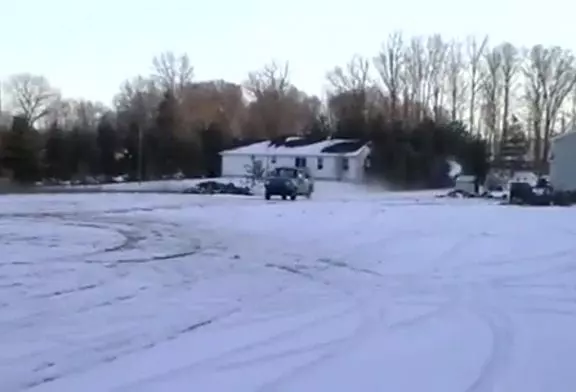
{"x":326,"y":188}
{"x":347,"y":291}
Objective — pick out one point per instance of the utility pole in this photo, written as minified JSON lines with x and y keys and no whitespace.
{"x":140,"y":153}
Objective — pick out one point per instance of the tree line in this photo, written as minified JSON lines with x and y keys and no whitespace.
{"x":495,"y":90}
{"x":419,"y":100}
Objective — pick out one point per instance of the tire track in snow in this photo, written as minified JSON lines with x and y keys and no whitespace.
{"x":62,"y":221}
{"x":135,"y":233}
{"x":397,"y":326}
{"x":214,"y":362}
{"x":139,"y":232}
{"x":366,"y":330}
{"x":109,"y":352}
{"x":342,"y":264}
{"x":329,"y":350}
{"x":133,"y":237}
{"x":500,"y":352}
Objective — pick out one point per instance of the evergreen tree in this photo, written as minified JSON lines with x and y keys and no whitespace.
{"x":319,"y":128}
{"x":20,"y":153}
{"x":163,"y":142}
{"x":107,"y":141}
{"x":83,"y":156}
{"x":212,"y":142}
{"x":134,"y":159}
{"x":513,"y":148}
{"x":56,"y":152}
{"x":417,"y":157}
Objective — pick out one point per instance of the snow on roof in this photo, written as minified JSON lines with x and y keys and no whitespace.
{"x":324,"y":147}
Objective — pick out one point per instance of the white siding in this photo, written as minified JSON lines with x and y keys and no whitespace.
{"x":285,"y":161}
{"x":563,"y":163}
{"x":328,"y":170}
{"x":356,"y":168}
{"x":235,"y":165}
{"x":355,"y":171}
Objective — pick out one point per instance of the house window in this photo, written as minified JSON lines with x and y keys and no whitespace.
{"x":273,"y":159}
{"x":345,"y":164}
{"x":320,"y":163}
{"x":300,"y":162}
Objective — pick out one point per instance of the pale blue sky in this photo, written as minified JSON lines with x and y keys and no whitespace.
{"x":88,"y":48}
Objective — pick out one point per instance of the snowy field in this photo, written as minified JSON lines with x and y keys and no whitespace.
{"x":344,"y":292}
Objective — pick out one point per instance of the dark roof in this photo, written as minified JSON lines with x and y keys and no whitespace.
{"x":239,"y":142}
{"x":344,"y":147}
{"x":296,"y":141}
{"x":298,"y":145}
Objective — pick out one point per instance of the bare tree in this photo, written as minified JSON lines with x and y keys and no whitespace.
{"x":214,"y":101}
{"x":456,"y":82}
{"x":551,"y":75}
{"x":173,"y":73}
{"x":88,"y":113}
{"x":68,"y":113}
{"x":475,"y":51}
{"x":437,"y":54}
{"x":415,"y":74}
{"x":561,"y":81}
{"x":348,"y":90}
{"x":510,"y":66}
{"x":31,"y":96}
{"x":491,"y":87}
{"x":536,"y":65}
{"x":276,"y":104}
{"x":272,"y":78}
{"x":354,"y":77}
{"x":389,"y":64}
{"x":137,"y":100}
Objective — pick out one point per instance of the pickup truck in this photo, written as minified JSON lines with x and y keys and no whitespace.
{"x":289,"y":182}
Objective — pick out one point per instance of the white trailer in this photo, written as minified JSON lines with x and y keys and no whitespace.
{"x":563,"y":162}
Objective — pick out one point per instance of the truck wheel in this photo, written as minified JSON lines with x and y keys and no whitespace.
{"x":293,"y":196}
{"x":267,"y":196}
{"x":283,"y":197}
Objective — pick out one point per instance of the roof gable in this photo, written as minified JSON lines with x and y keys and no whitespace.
{"x":344,"y":147}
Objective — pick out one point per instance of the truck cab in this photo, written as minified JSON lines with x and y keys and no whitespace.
{"x":289,"y":182}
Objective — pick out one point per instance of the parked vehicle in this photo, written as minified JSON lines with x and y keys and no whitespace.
{"x":465,"y":184}
{"x":289,"y":182}
{"x":497,"y":192}
{"x":540,"y":194}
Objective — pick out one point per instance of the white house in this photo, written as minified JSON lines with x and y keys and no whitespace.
{"x":332,"y":159}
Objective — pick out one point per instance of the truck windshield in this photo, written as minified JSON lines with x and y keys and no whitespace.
{"x":285,"y":172}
